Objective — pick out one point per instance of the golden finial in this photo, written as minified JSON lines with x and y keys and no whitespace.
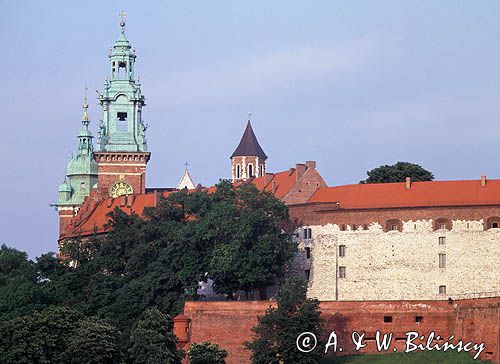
{"x":85,"y":106}
{"x":122,"y":22}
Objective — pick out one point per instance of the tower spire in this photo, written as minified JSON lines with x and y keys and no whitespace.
{"x":248,"y":160}
{"x":85,"y":117}
{"x":122,"y":15}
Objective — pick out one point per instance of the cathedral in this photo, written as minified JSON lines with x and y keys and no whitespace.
{"x":409,"y":248}
{"x":356,"y":241}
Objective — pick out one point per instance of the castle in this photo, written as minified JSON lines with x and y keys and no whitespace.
{"x":405,"y":241}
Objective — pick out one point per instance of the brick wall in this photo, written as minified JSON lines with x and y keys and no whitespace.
{"x":229,"y":323}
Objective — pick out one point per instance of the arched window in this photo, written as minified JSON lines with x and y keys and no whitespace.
{"x":250,"y":170}
{"x":238,"y":171}
{"x":442,"y":223}
{"x":261,"y":170}
{"x":493,"y":222}
{"x":393,"y":225}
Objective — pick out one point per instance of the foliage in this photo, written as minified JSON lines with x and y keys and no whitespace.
{"x":238,"y":237}
{"x":95,"y":342}
{"x":277,"y":331}
{"x":152,"y":340}
{"x":398,"y":173}
{"x":206,"y":353}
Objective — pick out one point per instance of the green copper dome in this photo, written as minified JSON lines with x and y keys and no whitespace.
{"x":64,"y":187}
{"x":82,"y":168}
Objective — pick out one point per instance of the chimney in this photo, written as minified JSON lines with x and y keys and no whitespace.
{"x":311,"y":164}
{"x":290,"y":171}
{"x":301,"y":168}
{"x":408,"y":183}
{"x":483,"y":181}
{"x":268,"y":177}
{"x":273,"y":187}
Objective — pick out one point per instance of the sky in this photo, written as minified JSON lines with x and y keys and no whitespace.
{"x":350,"y":84}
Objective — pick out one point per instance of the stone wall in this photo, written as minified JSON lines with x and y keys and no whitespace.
{"x":400,"y":264}
{"x":229,"y":323}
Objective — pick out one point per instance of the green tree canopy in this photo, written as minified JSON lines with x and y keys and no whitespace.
{"x":277,"y":331}
{"x":206,"y":353}
{"x":398,"y":173}
{"x":152,"y":340}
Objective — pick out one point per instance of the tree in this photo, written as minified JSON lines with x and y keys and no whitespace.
{"x":152,"y":340}
{"x":398,"y":173}
{"x":250,"y":247}
{"x":41,"y":337}
{"x":94,"y":342}
{"x":206,"y":353}
{"x":277,"y":331}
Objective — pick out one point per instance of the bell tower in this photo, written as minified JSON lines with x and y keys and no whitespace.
{"x":248,"y":160}
{"x":121,"y":151}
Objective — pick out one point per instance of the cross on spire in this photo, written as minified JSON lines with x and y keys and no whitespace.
{"x":122,"y":23}
{"x":249,"y":115}
{"x":186,"y":165}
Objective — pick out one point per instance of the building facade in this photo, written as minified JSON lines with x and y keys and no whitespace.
{"x":394,"y":241}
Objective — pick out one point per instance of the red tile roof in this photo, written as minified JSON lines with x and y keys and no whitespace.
{"x":437,"y":193}
{"x":282,"y":182}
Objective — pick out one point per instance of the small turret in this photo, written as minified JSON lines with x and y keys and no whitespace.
{"x":248,"y":160}
{"x":81,"y":172}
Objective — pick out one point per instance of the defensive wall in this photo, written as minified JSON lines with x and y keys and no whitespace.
{"x":229,"y":323}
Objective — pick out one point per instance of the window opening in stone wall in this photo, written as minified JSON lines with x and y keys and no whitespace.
{"x":308,"y":253}
{"x":494,"y":225}
{"x":442,"y":289}
{"x":341,"y":250}
{"x":307,"y":233}
{"x":442,"y":240}
{"x":394,"y":227}
{"x":442,"y":260}
{"x":122,"y":121}
{"x":307,"y":274}
{"x":387,"y":318}
{"x":238,"y":171}
{"x":419,"y":319}
{"x":342,"y":272}
{"x":250,"y":170}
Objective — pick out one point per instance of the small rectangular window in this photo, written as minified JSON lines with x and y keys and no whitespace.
{"x":442,"y":289}
{"x":442,"y":260}
{"x":442,"y":240}
{"x":442,"y":226}
{"x":419,"y":319}
{"x":307,"y":274}
{"x":394,"y":227}
{"x":342,"y":272}
{"x":341,"y":250}
{"x":122,"y":124}
{"x":494,"y":225}
{"x":308,"y":253}
{"x":387,"y":318}
{"x":307,"y":233}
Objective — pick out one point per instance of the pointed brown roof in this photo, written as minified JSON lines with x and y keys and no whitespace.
{"x":249,"y":146}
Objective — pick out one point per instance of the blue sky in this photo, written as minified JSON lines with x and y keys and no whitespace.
{"x":351,"y":84}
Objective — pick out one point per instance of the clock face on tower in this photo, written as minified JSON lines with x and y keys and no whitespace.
{"x":120,"y":188}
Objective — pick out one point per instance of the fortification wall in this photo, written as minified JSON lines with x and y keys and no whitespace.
{"x":405,"y":254}
{"x":229,"y":323}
